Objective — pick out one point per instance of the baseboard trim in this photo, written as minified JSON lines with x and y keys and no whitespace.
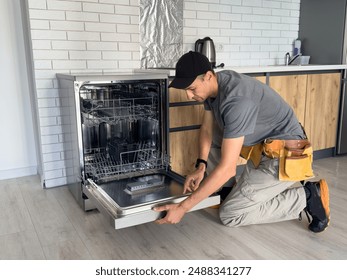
{"x":18,"y":172}
{"x":325,"y":153}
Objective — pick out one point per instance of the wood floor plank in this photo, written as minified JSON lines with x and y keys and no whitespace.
{"x":18,"y":238}
{"x":14,"y":216}
{"x":53,"y":228}
{"x":23,"y":245}
{"x":102,"y":241}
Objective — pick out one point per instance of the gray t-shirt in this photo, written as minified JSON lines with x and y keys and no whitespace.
{"x":246,"y":107}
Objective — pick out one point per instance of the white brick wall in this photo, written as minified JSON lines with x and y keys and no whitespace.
{"x":99,"y":36}
{"x":246,"y":32}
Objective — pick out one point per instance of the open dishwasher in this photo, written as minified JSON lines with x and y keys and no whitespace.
{"x":121,"y":149}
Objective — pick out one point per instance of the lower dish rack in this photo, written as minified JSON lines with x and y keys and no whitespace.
{"x":103,"y":167}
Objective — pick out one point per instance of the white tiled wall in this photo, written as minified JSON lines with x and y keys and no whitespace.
{"x":245,"y":32}
{"x":103,"y":36}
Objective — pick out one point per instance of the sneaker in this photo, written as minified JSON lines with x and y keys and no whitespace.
{"x":223,"y":193}
{"x":318,"y":205}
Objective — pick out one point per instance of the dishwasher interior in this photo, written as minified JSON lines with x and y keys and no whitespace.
{"x":120,"y":131}
{"x":123,"y":128}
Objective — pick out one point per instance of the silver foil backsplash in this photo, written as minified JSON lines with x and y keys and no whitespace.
{"x":161,"y":33}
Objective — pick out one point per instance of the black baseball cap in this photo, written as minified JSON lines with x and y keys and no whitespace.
{"x":188,"y":67}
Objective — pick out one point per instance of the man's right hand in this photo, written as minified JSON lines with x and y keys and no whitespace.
{"x":193,"y":180}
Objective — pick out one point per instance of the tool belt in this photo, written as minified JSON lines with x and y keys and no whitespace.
{"x":252,"y":153}
{"x":295,"y":157}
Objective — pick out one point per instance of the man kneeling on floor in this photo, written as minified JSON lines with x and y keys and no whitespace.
{"x":244,"y":116}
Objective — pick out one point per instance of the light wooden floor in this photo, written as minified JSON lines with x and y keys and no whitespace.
{"x":48,"y":224}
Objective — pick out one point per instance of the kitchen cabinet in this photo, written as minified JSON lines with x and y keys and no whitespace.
{"x":314,"y":99}
{"x":184,"y":150}
{"x":186,"y":115}
{"x":322,"y":107}
{"x":261,"y":79}
{"x":177,"y":95}
{"x":292,"y":88}
{"x":183,"y":112}
{"x":185,"y":118}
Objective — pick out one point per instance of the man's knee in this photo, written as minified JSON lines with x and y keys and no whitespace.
{"x":230,"y":218}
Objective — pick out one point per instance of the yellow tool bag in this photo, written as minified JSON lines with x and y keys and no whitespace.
{"x":295,"y":158}
{"x":252,"y":153}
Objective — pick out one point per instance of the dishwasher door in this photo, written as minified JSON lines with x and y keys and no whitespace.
{"x":129,"y":202}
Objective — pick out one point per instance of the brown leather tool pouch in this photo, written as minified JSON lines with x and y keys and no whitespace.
{"x":252,"y":153}
{"x":295,"y":158}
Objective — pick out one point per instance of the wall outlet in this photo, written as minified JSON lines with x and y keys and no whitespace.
{"x":219,"y":47}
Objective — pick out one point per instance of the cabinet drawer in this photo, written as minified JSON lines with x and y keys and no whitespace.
{"x":177,"y":95}
{"x":186,"y":115}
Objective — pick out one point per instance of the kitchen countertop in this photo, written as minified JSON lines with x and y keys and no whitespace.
{"x":256,"y":69}
{"x":160,"y":73}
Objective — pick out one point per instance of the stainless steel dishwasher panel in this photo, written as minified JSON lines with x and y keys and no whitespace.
{"x":128,"y":208}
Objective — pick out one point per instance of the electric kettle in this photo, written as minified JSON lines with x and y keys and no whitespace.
{"x":206,"y":47}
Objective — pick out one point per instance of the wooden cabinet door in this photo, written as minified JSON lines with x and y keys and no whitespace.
{"x":322,"y":106}
{"x":184,"y":150}
{"x":292,"y":88}
{"x":186,"y":115}
{"x":261,"y":79}
{"x":184,"y":144}
{"x":177,"y":95}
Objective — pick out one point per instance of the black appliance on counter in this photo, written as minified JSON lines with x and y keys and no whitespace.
{"x":120,"y":146}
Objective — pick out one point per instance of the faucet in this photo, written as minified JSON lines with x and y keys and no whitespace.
{"x":289,"y":60}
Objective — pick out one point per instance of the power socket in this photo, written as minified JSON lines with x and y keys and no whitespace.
{"x":220,"y":47}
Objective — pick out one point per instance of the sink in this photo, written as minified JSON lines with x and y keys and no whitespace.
{"x":301,"y":60}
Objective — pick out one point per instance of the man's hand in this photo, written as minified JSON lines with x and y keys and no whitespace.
{"x":193,"y":180}
{"x":174,"y":213}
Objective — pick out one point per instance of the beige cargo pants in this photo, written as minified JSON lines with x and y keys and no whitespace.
{"x":259,"y":197}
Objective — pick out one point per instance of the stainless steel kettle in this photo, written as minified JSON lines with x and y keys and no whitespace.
{"x":206,"y":47}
